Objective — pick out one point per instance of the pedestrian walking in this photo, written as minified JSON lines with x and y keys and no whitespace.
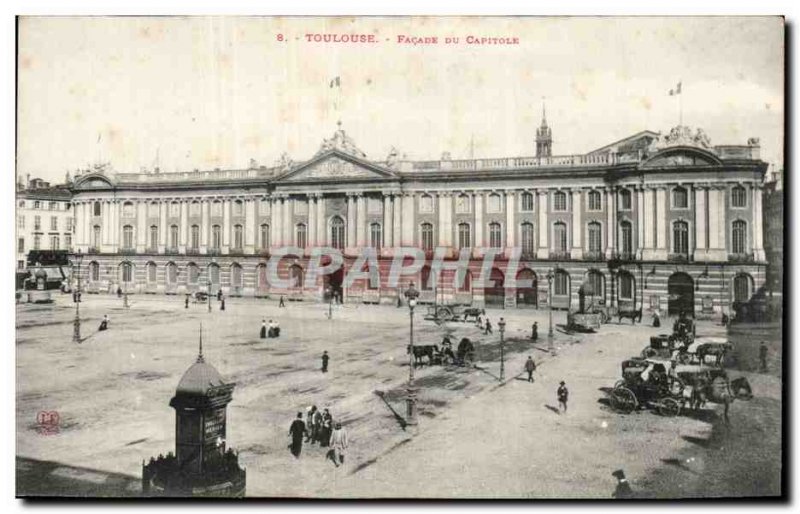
{"x":530,"y":367}
{"x":316,"y":426}
{"x":325,"y":359}
{"x":339,"y":443}
{"x":219,"y":295}
{"x":281,"y":303}
{"x":104,"y":323}
{"x":296,"y":432}
{"x":263,"y":334}
{"x":222,"y":304}
{"x":762,"y":355}
{"x":563,"y":396}
{"x":119,"y":292}
{"x":186,"y":302}
{"x":327,"y":429}
{"x":535,"y":331}
{"x":488,"y":329}
{"x":656,"y":319}
{"x":310,"y":421}
{"x":623,"y":489}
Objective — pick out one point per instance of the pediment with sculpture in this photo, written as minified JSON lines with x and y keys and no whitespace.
{"x":681,"y":156}
{"x":334,"y":167}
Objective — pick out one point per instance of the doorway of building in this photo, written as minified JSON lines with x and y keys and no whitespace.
{"x":526,"y":296}
{"x":495,"y":292}
{"x":333,"y":286}
{"x":680,"y":290}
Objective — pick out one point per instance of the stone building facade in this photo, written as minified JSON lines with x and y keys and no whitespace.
{"x":649,"y":221}
{"x":44,"y":219}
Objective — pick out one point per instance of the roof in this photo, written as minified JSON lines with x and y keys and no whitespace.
{"x":626,"y":140}
{"x":199,"y":378}
{"x":47,"y":193}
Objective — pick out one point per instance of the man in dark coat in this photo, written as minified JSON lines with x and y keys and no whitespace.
{"x":119,"y":292}
{"x":222,"y":303}
{"x":280,"y":303}
{"x":563,"y":396}
{"x":104,"y":323}
{"x":296,"y":431}
{"x":186,"y":303}
{"x":219,"y":295}
{"x":327,"y":428}
{"x":488,"y":329}
{"x":325,"y":359}
{"x":623,"y":489}
{"x":316,"y":426}
{"x":530,"y":367}
{"x":263,"y":329}
{"x":535,"y":331}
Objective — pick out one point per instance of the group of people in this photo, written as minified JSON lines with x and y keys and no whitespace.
{"x":562,"y":393}
{"x":484,"y":325}
{"x":270,"y":330}
{"x":319,"y":427}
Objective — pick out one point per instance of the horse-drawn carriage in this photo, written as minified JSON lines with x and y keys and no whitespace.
{"x":200,"y":297}
{"x":456,"y":312}
{"x":670,"y":387}
{"x":703,"y":347}
{"x":463,"y":356}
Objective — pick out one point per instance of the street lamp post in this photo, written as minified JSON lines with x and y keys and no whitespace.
{"x":330,"y":302}
{"x":502,"y":326}
{"x":411,"y":400}
{"x":209,"y":293}
{"x":76,"y":332}
{"x":550,"y":345}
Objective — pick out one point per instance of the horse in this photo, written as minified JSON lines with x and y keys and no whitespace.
{"x":466,"y":350}
{"x":474,"y":313}
{"x":634,"y":316}
{"x":420,"y":351}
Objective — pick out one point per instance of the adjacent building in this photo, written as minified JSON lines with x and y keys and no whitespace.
{"x":44,"y":218}
{"x":651,"y":221}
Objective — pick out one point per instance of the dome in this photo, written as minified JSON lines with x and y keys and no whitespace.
{"x":199,"y":378}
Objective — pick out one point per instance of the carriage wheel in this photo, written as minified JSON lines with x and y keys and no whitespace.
{"x":669,"y":407}
{"x":619,"y":383}
{"x":624,"y":400}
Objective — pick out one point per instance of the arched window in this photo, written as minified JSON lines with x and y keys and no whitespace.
{"x":236,"y":275}
{"x":560,"y":237}
{"x":561,"y":283}
{"x":739,"y":237}
{"x":375,"y":235}
{"x":195,"y":237}
{"x":464,"y":236}
{"x":174,"y":209}
{"x":426,"y":203}
{"x":151,"y":272}
{"x":194,"y":208}
{"x":94,"y":272}
{"x":213,"y":273}
{"x":680,"y":198}
{"x":526,"y":233}
{"x":425,"y":278}
{"x":462,"y":204}
{"x":625,"y":238}
{"x":426,"y":236}
{"x":193,"y":273}
{"x":153,"y":236}
{"x":97,"y":209}
{"x":238,"y":208}
{"x":738,"y":197}
{"x":152,"y":209}
{"x":216,"y":237}
{"x":595,"y":238}
{"x":127,"y":272}
{"x":173,"y":236}
{"x":595,"y":200}
{"x":127,"y":237}
{"x":626,"y":286}
{"x":127,"y":209}
{"x":301,"y":235}
{"x":493,"y":203}
{"x":238,"y":237}
{"x":495,"y":235}
{"x":597,"y":283}
{"x":296,"y":276}
{"x":466,"y":285}
{"x":263,"y":239}
{"x":263,"y":206}
{"x":680,"y":238}
{"x":172,"y":273}
{"x":526,"y":202}
{"x":96,"y":236}
{"x":337,"y":232}
{"x":560,"y":201}
{"x":624,"y":199}
{"x":741,"y":288}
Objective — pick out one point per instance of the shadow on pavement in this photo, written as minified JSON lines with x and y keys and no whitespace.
{"x":41,"y":478}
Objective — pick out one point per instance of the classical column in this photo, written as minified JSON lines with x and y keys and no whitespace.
{"x":205,"y":207}
{"x":312,"y":220}
{"x":105,"y":230}
{"x":758,"y":228}
{"x":141,"y":226}
{"x":276,"y":220}
{"x":162,"y":230}
{"x":478,"y":203}
{"x":388,"y":221}
{"x":183,"y":226}
{"x":288,"y":221}
{"x":250,"y":225}
{"x":611,"y":228}
{"x":351,"y":221}
{"x":511,"y":224}
{"x":700,"y":222}
{"x":226,"y":225}
{"x":576,"y":252}
{"x":446,"y":202}
{"x":397,"y":204}
{"x":661,"y":228}
{"x":441,"y":229}
{"x":77,"y":212}
{"x":322,"y":225}
{"x":639,"y":221}
{"x":542,"y":252}
{"x":361,"y":221}
{"x":408,"y":219}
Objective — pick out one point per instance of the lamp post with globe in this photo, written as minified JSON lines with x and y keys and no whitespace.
{"x":550,"y":345}
{"x":411,"y":295}
{"x":76,"y":332}
{"x":501,"y":325}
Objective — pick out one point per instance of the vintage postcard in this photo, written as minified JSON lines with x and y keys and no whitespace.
{"x":400,"y":257}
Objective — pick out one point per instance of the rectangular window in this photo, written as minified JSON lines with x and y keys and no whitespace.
{"x":21,"y":245}
{"x":21,"y":222}
{"x":738,"y":197}
{"x":53,"y":206}
{"x":559,"y":201}
{"x":54,"y":242}
{"x":527,"y":202}
{"x":70,"y":222}
{"x":595,"y":201}
{"x":37,"y":223}
{"x":493,"y":204}
{"x":427,"y":237}
{"x":560,"y":284}
{"x":37,"y":242}
{"x":53,"y":223}
{"x":68,"y":241}
{"x":21,"y":264}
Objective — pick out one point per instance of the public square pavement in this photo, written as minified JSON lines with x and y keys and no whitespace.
{"x":476,"y":437}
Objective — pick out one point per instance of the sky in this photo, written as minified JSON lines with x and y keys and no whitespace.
{"x":205,"y":92}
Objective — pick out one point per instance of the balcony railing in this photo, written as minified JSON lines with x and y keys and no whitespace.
{"x":236,"y":251}
{"x":593,"y":256}
{"x":193,"y":251}
{"x":741,"y":257}
{"x":214,"y":251}
{"x":151,"y":250}
{"x":171,"y":249}
{"x":624,"y":256}
{"x":678,"y":257}
{"x":127,"y":251}
{"x":93,"y":250}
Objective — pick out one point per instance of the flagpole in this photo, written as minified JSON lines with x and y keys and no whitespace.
{"x":680,"y":108}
